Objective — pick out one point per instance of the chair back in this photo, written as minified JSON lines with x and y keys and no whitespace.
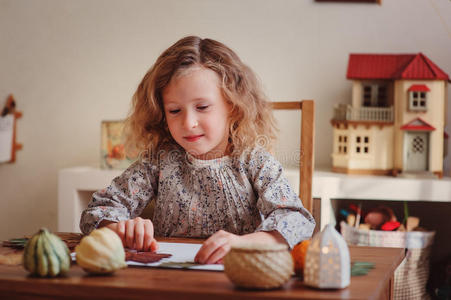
{"x":306,"y":159}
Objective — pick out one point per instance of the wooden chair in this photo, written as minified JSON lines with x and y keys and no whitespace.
{"x":307,"y":108}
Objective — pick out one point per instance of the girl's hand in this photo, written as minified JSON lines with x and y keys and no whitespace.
{"x":136,"y":234}
{"x":216,"y":247}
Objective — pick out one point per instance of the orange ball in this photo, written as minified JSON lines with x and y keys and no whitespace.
{"x":299,"y":252}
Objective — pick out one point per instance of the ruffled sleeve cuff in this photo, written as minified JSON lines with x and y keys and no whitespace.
{"x":91,"y":217}
{"x":292,"y":225}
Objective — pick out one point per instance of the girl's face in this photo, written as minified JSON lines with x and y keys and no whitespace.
{"x":197,"y":113}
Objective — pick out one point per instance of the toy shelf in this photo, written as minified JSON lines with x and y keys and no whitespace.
{"x":329,"y":185}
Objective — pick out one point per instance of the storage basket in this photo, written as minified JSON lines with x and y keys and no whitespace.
{"x":259,"y":266}
{"x":412,"y":274}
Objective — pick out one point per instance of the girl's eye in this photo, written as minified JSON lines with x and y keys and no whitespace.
{"x":202,"y":107}
{"x":174,"y":111}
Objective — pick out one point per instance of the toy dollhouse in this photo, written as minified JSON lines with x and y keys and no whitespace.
{"x":396,"y":121}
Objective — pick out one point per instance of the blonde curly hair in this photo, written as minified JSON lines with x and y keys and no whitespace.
{"x":251,"y":119}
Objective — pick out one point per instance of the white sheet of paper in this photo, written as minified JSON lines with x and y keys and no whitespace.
{"x":181,"y":253}
{"x":6,"y":137}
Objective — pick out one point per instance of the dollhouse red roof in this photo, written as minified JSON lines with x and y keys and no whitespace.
{"x":393,"y":66}
{"x":418,"y":88}
{"x":418,"y":124}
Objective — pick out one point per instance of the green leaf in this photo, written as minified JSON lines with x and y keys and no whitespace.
{"x":360,"y":268}
{"x":186,"y":264}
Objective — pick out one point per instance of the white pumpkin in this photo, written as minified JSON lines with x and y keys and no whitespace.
{"x":101,"y":252}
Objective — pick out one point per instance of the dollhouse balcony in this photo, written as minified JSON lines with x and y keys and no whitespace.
{"x":345,"y":112}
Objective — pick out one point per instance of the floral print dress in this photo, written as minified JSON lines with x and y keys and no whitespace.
{"x":196,"y":198}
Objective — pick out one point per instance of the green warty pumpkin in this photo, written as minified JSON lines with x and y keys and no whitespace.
{"x":46,"y":255}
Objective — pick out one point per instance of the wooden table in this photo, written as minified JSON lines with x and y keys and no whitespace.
{"x":156,"y":283}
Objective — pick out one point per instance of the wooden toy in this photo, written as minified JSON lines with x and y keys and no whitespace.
{"x":412,"y":223}
{"x":395,"y":123}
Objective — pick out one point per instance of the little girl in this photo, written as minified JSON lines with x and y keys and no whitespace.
{"x":203,"y":128}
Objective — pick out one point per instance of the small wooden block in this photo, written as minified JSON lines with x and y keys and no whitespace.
{"x":412,"y":223}
{"x":365,"y":226}
{"x":351,"y":219}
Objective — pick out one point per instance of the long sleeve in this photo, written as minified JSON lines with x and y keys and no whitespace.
{"x":124,"y":199}
{"x":281,"y":208}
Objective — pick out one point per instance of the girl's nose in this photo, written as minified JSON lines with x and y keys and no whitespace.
{"x":190,"y":121}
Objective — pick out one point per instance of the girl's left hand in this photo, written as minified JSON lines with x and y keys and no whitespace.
{"x":216,"y":247}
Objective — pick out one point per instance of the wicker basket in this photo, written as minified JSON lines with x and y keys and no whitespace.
{"x":259,"y":266}
{"x":412,"y":274}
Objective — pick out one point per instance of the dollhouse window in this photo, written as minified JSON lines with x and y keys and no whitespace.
{"x":375,"y":95}
{"x":342,"y":144}
{"x":418,"y":97}
{"x":382,"y":95}
{"x":362,"y":144}
{"x":418,"y":101}
{"x":367,"y":95}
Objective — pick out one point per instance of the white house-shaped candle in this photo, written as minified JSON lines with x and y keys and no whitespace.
{"x":327,"y":263}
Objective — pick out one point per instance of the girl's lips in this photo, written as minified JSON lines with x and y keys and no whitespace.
{"x":193,"y":138}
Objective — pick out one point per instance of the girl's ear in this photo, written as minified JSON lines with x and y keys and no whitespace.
{"x":230,"y":107}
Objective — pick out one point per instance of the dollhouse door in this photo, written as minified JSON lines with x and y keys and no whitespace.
{"x":416,"y":154}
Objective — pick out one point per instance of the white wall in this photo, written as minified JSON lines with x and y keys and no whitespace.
{"x":71,"y":64}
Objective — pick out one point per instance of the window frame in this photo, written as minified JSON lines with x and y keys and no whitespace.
{"x":418,"y":99}
{"x":374,"y":94}
{"x":362,"y":144}
{"x":342,"y":144}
